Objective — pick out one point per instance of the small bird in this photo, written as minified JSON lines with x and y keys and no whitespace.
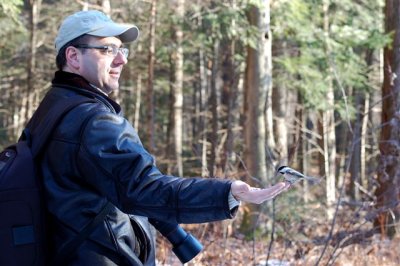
{"x":292,"y":176}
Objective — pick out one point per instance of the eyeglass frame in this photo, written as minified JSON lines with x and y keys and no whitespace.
{"x":106,"y":48}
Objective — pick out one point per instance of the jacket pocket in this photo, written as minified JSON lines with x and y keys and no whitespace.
{"x":141,"y":228}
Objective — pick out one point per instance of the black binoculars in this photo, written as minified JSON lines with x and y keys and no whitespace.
{"x":184,"y":245}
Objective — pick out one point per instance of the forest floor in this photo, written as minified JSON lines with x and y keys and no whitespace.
{"x":300,"y":238}
{"x":234,"y":251}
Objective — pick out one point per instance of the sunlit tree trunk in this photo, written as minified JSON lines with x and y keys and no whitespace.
{"x":279,"y":103}
{"x":13,"y":122}
{"x":388,"y":191}
{"x":176,"y":94}
{"x":355,"y":167}
{"x":203,"y":111}
{"x":34,"y":14}
{"x":213,"y":104}
{"x":106,"y":8}
{"x":266,"y":85}
{"x":303,"y":155}
{"x":329,"y":162}
{"x":138,"y":97}
{"x":363,"y":151}
{"x":150,"y":79}
{"x":370,"y":58}
{"x":328,"y":124}
{"x":202,"y":108}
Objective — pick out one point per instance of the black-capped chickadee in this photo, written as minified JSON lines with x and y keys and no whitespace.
{"x":292,"y":176}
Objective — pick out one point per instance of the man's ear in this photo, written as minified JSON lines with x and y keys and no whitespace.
{"x":73,"y":57}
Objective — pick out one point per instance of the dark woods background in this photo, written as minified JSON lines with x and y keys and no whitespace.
{"x":235,"y":89}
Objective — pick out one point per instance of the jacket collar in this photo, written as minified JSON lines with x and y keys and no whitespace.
{"x":68,"y":79}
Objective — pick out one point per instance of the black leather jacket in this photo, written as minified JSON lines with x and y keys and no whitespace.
{"x":95,"y":156}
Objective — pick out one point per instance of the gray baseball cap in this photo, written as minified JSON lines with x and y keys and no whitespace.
{"x":94,"y":23}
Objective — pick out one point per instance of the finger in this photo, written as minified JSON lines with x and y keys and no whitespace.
{"x":260,"y":195}
{"x":275,"y":190}
{"x":287,"y":185}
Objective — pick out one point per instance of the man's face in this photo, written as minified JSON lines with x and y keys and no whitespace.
{"x":100,"y":68}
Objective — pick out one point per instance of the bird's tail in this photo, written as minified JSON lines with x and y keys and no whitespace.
{"x":313,"y":180}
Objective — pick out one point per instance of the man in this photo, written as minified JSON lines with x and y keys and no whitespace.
{"x":95,"y":156}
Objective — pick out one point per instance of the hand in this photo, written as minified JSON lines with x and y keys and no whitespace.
{"x":243,"y":192}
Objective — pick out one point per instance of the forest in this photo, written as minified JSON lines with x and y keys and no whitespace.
{"x":236,"y":88}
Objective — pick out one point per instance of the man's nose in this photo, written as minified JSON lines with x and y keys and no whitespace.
{"x":120,"y":59}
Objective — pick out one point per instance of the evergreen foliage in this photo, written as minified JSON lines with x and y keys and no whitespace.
{"x":307,"y":59}
{"x":302,"y":63}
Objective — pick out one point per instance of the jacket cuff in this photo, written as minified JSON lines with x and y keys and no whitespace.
{"x":233,"y":203}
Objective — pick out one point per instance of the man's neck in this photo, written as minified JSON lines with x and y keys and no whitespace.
{"x":98,"y":89}
{"x":70,"y":70}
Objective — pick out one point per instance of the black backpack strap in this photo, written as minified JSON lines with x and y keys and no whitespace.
{"x":70,"y":247}
{"x":37,"y":139}
{"x":51,"y":120}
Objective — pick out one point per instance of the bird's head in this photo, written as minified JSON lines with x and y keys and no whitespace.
{"x":282,"y":169}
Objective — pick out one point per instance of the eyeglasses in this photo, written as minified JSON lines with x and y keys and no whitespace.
{"x":107,"y":49}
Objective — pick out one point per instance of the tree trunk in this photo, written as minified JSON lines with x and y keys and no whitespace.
{"x":255,"y":93}
{"x":279,"y":104}
{"x":388,"y":192}
{"x":150,"y":72}
{"x":33,"y":21}
{"x":213,"y":136}
{"x":363,"y":151}
{"x":203,"y":109}
{"x":355,"y":167}
{"x":228,"y":101}
{"x":106,"y":9}
{"x":267,"y":69}
{"x":304,"y":148}
{"x":138,"y":95}
{"x":328,"y":125}
{"x":178,"y":86}
{"x":176,"y":92}
{"x":266,"y":85}
{"x":200,"y":103}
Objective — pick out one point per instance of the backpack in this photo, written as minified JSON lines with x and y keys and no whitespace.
{"x":22,"y":209}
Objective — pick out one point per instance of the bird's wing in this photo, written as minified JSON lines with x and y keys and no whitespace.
{"x":295,"y":173}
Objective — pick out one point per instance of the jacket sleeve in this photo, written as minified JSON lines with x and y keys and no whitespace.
{"x":112,"y":159}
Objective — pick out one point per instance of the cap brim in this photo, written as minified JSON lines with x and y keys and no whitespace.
{"x":126,"y":32}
